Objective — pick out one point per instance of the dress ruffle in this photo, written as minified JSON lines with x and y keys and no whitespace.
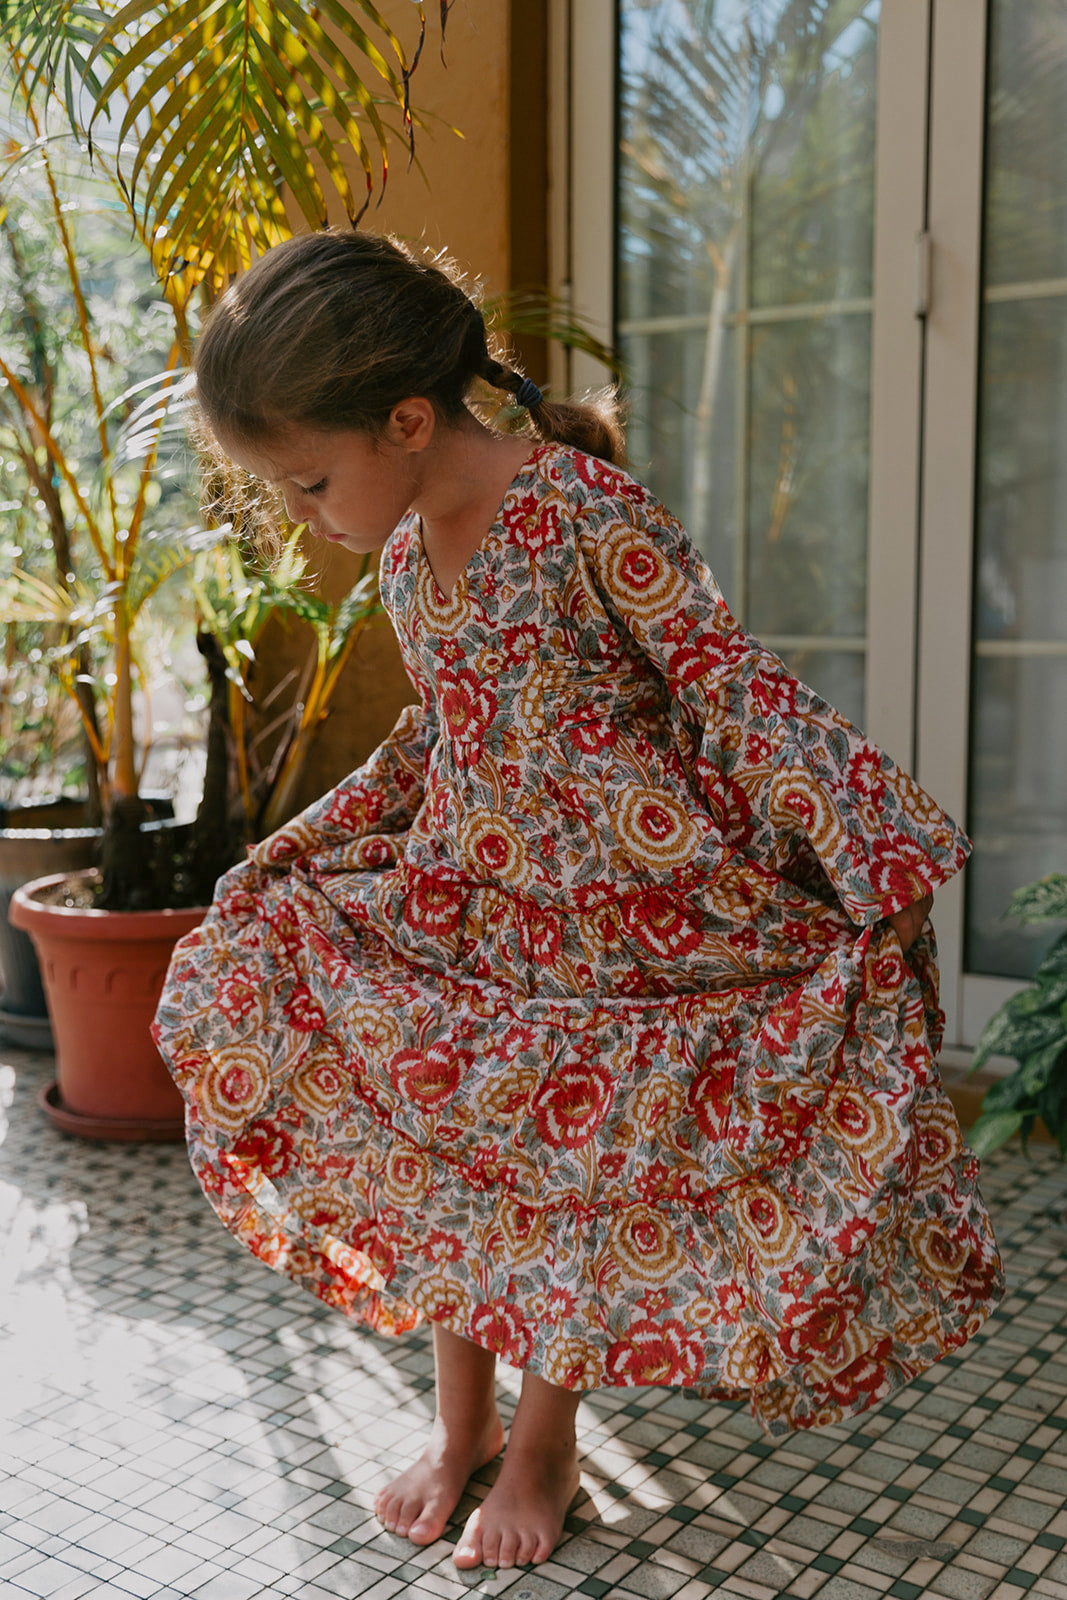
{"x":572,"y":1020}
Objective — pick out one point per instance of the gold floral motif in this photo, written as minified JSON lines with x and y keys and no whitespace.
{"x":856,"y":1340}
{"x":319,"y":1083}
{"x":494,"y":847}
{"x":572,"y":1364}
{"x":439,"y":611}
{"x":504,"y":1096}
{"x":407,"y":1175}
{"x":657,"y":1107}
{"x":375,"y":1027}
{"x":749,"y":1359}
{"x":861,"y":1123}
{"x":767,"y":1223}
{"x":644,"y":1244}
{"x":489,"y":662}
{"x":940,"y":1254}
{"x":325,"y":1205}
{"x":656,"y":829}
{"x":235,"y":1085}
{"x":938,"y":1136}
{"x":442,"y":1297}
{"x":520,"y":1234}
{"x":798,"y":803}
{"x":644,"y":579}
{"x":530,"y":704}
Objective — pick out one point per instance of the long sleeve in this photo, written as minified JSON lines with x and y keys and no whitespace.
{"x":381,"y":797}
{"x":785,"y":775}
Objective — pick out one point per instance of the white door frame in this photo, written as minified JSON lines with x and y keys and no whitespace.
{"x":949,"y":448}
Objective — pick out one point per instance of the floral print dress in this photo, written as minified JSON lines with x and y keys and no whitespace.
{"x":572,"y":1020}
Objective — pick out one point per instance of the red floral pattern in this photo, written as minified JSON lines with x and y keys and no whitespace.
{"x":572,"y":1019}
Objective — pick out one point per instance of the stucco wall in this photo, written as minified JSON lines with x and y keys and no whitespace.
{"x":459,"y":201}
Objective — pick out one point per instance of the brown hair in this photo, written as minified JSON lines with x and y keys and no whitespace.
{"x":333,"y":329}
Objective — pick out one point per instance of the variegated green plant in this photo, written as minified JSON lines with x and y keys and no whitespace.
{"x":1031,"y":1027}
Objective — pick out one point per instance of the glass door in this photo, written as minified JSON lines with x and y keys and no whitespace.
{"x":1018,"y":729}
{"x":744,"y":304}
{"x":839,"y":285}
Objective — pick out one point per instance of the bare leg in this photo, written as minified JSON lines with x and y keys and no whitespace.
{"x":521,"y":1518}
{"x":467,"y":1432}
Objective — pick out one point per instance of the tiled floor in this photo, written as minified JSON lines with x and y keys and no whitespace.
{"x":178,"y":1421}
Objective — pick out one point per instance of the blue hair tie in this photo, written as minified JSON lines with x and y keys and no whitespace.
{"x":528,"y":394}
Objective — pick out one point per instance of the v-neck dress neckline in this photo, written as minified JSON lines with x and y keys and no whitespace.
{"x":485,"y":543}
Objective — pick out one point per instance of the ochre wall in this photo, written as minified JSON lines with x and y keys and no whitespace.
{"x":462,"y":201}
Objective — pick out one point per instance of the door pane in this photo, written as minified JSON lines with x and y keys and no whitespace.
{"x":1018,"y":799}
{"x":746,"y":202}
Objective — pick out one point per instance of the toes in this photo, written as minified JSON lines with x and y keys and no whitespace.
{"x":425,"y":1529}
{"x":412,"y":1513}
{"x":394,"y":1512}
{"x":528,"y":1546}
{"x":507,"y":1550}
{"x":469,"y":1550}
{"x":541,"y":1551}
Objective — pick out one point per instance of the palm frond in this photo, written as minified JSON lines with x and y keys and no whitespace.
{"x":231,"y":101}
{"x":541,"y":315}
{"x":54,"y":46}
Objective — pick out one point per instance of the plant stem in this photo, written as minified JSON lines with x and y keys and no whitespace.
{"x":124,"y":765}
{"x":83,"y":311}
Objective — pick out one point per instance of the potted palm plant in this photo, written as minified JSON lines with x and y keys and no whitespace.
{"x":129,"y":556}
{"x":61,"y":338}
{"x":215,"y":125}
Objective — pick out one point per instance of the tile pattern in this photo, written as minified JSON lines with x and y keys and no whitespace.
{"x":177,"y":1421}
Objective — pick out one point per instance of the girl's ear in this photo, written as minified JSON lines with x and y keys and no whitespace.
{"x":412,"y":423}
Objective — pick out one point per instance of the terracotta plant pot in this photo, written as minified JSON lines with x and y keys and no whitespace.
{"x":47,"y":836}
{"x":103,"y":974}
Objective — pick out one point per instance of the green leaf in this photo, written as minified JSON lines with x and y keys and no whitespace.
{"x":358,"y":604}
{"x":1006,"y":1094}
{"x":305,"y":113}
{"x":292,"y":158}
{"x":989,"y":1132}
{"x":1039,"y":1065}
{"x":546,"y":316}
{"x":1048,"y":991}
{"x":1054,"y":962}
{"x":1052,"y":1105}
{"x":306,"y":606}
{"x":209,"y":138}
{"x":55,"y":40}
{"x":1009,"y":1034}
{"x":1042,"y":901}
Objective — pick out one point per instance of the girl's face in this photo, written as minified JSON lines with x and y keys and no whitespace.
{"x":350,"y":488}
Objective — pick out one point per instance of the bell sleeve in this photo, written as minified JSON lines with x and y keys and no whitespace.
{"x":789,"y":781}
{"x":345,"y":828}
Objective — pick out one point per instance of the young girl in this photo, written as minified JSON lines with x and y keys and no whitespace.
{"x":594,"y":1017}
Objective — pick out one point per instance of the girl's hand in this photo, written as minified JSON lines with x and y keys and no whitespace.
{"x":906,"y":924}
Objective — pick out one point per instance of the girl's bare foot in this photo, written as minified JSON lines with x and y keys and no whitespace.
{"x":521,"y":1518}
{"x":467,"y":1432}
{"x":420,"y":1501}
